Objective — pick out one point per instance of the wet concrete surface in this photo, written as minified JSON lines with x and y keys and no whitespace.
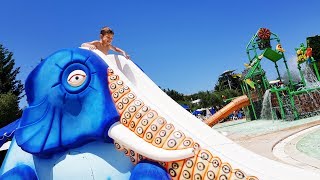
{"x":261,"y":136}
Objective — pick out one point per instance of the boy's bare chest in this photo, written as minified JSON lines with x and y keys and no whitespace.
{"x":104,"y":49}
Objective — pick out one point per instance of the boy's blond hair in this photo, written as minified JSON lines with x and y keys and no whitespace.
{"x":106,"y":30}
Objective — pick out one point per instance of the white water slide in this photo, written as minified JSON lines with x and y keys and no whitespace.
{"x":217,"y":144}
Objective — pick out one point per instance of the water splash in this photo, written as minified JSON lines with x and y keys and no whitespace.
{"x":310,"y":77}
{"x":266,"y":112}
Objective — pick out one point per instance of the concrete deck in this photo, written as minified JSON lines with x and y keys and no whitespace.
{"x":261,"y":136}
{"x":287,"y":150}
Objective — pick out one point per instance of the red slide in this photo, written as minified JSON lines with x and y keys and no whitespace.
{"x":234,"y":105}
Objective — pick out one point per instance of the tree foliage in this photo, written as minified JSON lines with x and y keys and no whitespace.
{"x":228,"y":81}
{"x":175,"y":95}
{"x":9,"y":108}
{"x":10,"y":88}
{"x":314,"y":43}
{"x":208,"y":98}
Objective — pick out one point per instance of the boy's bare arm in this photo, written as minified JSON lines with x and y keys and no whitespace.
{"x":116,"y":49}
{"x":91,"y":45}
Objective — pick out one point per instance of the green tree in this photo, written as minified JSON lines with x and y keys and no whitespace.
{"x":10,"y":88}
{"x":9,"y":109}
{"x":206,"y":97}
{"x":228,"y":80}
{"x":175,"y":95}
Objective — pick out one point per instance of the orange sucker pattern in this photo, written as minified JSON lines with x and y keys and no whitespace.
{"x":145,"y":122}
{"x":137,"y":117}
{"x":154,"y":129}
{"x":134,"y":157}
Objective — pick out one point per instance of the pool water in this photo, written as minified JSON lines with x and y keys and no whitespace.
{"x":310,"y":144}
{"x":257,"y":127}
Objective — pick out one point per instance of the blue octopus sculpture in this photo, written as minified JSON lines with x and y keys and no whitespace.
{"x":63,"y":132}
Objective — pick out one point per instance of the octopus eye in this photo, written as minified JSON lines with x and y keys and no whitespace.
{"x":76,"y":78}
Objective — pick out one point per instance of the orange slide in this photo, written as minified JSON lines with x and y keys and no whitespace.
{"x":234,"y":105}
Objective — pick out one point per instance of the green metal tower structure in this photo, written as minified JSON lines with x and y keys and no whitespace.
{"x":254,"y":78}
{"x":288,"y":101}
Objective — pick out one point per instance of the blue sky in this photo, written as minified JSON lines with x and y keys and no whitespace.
{"x":181,"y":44}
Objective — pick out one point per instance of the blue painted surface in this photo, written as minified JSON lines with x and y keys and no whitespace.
{"x":61,"y":116}
{"x":20,"y":172}
{"x":95,"y":160}
{"x":147,"y":170}
{"x":63,"y":132}
{"x":7,"y":132}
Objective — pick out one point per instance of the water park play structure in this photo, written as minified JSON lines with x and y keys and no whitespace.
{"x":276,"y":99}
{"x":84,"y":106}
{"x":235,"y":104}
{"x":290,"y":100}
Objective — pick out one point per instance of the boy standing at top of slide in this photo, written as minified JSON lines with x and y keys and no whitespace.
{"x":104,"y":44}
